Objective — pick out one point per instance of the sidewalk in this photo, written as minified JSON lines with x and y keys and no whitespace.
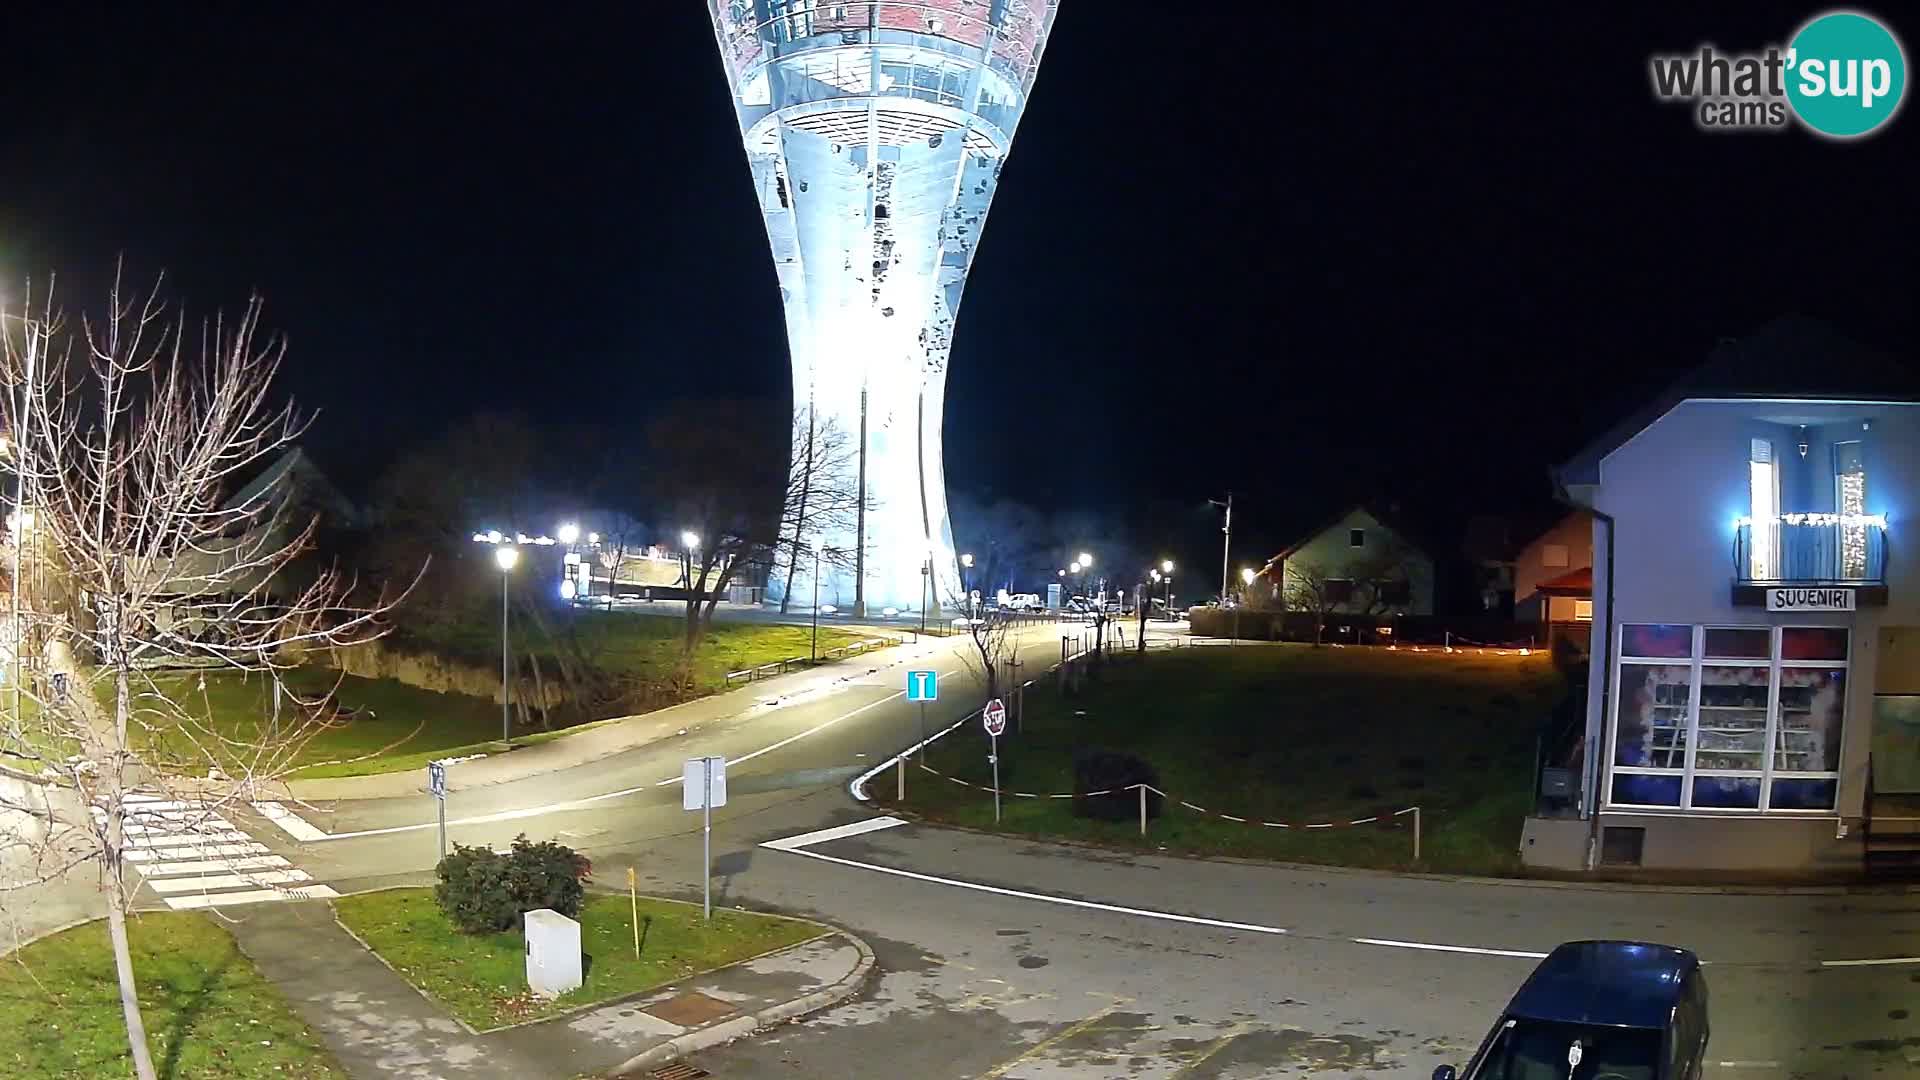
{"x":380,"y":1027}
{"x":609,"y":737}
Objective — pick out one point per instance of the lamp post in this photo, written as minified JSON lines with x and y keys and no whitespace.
{"x":689,"y":540}
{"x":569,"y":534}
{"x":966,"y":581}
{"x":1166,"y":568}
{"x":818,"y":544}
{"x":505,"y":557}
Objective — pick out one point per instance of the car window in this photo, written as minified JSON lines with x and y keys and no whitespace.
{"x":1538,"y":1050}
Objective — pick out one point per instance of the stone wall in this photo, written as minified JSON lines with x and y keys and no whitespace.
{"x":431,"y":671}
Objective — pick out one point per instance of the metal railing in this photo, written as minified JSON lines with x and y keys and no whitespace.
{"x":782,"y":667}
{"x":1823,"y":553}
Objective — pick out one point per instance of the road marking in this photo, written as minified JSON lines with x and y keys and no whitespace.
{"x":1882,"y":961}
{"x":1048,"y":1043}
{"x":256,"y":896}
{"x":1426,"y":947}
{"x":1215,"y":1047}
{"x":838,"y":832}
{"x":227,"y":881}
{"x":213,"y":866}
{"x":186,"y":839}
{"x":1748,"y":1064}
{"x":1045,"y":898}
{"x":140,"y":855}
{"x":816,"y":729}
{"x":291,"y":823}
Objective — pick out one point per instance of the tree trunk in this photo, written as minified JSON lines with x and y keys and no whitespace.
{"x":799,"y":517}
{"x":115,"y":853}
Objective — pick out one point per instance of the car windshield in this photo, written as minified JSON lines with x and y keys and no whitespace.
{"x":1538,"y":1050}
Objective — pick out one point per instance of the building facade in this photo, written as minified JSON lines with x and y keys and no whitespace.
{"x":1755,"y":666}
{"x":1364,"y":565}
{"x":875,"y":133}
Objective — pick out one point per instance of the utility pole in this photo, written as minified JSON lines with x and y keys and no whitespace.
{"x":860,"y":519}
{"x":1226,"y":549}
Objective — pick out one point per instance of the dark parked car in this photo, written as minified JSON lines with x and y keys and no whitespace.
{"x":1600,"y":1010}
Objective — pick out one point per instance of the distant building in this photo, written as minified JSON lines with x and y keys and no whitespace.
{"x":1364,"y":560}
{"x":1755,"y":672}
{"x":1553,"y":580}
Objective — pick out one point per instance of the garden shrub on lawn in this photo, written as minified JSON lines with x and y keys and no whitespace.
{"x":482,"y":891}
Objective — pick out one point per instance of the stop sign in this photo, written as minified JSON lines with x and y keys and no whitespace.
{"x":994,"y":717}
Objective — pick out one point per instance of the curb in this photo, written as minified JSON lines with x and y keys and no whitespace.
{"x":739,"y":1027}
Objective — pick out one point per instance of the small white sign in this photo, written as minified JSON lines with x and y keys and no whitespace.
{"x":437,"y":779}
{"x":704,"y":783}
{"x":1811,"y":599}
{"x":994,"y":717}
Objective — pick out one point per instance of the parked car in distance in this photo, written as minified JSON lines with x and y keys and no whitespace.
{"x":1600,"y":1010}
{"x":1024,"y":601}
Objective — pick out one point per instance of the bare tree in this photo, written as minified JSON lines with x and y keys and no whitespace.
{"x":619,"y":531}
{"x":1310,"y":588}
{"x":822,"y":497}
{"x":130,"y":434}
{"x":1382,"y":579}
{"x":992,"y":638}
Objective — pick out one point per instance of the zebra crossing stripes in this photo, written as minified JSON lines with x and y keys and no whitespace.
{"x":193,"y":858}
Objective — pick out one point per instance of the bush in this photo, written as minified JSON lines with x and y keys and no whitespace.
{"x":482,"y":891}
{"x":1113,"y":773}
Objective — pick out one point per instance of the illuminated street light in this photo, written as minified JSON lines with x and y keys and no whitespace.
{"x":690,"y":540}
{"x":494,"y":536}
{"x":593,"y":538}
{"x":1247,"y":575}
{"x":569,"y":534}
{"x":1086,"y":559}
{"x":505,"y":558}
{"x":1167,"y":566}
{"x":966,"y":560}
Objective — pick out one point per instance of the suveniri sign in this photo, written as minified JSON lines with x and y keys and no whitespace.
{"x":1809,"y":599}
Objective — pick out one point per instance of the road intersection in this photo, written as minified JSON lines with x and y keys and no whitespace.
{"x":1002,"y":957}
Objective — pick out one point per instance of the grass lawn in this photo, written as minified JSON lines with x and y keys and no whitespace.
{"x":647,"y":645}
{"x":1279,"y":733}
{"x":482,"y":978}
{"x":420,"y":725}
{"x":209,"y":1014}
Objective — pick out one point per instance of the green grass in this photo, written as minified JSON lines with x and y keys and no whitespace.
{"x":482,"y":978}
{"x":1279,"y":733}
{"x":209,"y":1014}
{"x":644,"y":646}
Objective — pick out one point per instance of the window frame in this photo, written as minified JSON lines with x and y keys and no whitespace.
{"x":1356,"y":538}
{"x":1689,"y":772}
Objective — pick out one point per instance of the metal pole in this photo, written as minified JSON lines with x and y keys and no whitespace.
{"x":19,"y":530}
{"x":442,"y":800}
{"x":1226,"y":549}
{"x":1143,"y":808}
{"x":506,"y":682}
{"x":816,"y":604}
{"x":993,"y":755}
{"x":1416,"y":834}
{"x":706,"y":837}
{"x":923,"y":733}
{"x":900,"y":781}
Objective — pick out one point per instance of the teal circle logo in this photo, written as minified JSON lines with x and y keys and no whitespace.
{"x":1846,"y":74}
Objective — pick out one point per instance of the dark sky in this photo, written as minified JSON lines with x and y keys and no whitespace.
{"x":1325,"y":252}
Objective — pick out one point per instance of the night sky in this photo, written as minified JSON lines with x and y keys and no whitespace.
{"x":1308,"y":256}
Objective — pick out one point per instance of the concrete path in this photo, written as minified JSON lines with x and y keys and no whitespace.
{"x":380,"y":1027}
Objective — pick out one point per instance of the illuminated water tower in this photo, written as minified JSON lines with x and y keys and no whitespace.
{"x":875,"y":133}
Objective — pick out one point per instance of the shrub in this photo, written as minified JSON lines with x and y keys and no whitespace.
{"x":482,"y":891}
{"x":1111,"y":772}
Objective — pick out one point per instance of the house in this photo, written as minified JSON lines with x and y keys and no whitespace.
{"x":1362,"y":562}
{"x":1755,"y":669}
{"x":1553,"y":580}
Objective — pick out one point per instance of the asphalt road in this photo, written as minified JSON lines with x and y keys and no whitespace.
{"x":1005,"y":958}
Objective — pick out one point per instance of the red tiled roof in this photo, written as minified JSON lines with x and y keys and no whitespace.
{"x":1575,"y":583}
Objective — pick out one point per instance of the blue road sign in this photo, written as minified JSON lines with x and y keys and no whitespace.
{"x":923,"y":685}
{"x":437,"y":779}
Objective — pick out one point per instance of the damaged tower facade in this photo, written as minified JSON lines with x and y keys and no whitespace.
{"x":875,"y":133}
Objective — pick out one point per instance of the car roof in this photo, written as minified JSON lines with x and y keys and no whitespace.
{"x":1610,"y":983}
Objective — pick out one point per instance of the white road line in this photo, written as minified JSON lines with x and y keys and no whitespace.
{"x":1427,"y":947}
{"x":1065,"y":901}
{"x":213,"y":866}
{"x":1748,"y":1064}
{"x":169,"y":840}
{"x":144,"y":855}
{"x":293,"y":824}
{"x":1880,"y":962}
{"x":215,"y":882}
{"x":178,"y":827}
{"x":816,"y":729}
{"x":838,"y":832}
{"x":256,"y":896}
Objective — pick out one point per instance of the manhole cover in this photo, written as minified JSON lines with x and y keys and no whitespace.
{"x":691,"y":1009}
{"x":679,"y":1070}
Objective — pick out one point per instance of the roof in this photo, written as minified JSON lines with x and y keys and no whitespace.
{"x":297,"y":477}
{"x":1608,"y":983}
{"x":1792,"y":358}
{"x":1577,"y":583}
{"x":1390,"y":518}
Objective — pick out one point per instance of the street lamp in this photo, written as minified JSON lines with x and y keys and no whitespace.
{"x":505,"y":557}
{"x":1166,"y":568}
{"x":818,"y":544}
{"x":569,"y":534}
{"x":966,"y":582}
{"x":690,"y":542}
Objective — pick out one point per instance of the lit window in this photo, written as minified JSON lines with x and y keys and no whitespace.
{"x":1764,"y":487}
{"x":1850,"y":499}
{"x":1583,"y":610}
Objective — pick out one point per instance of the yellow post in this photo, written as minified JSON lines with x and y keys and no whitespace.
{"x":633,"y":901}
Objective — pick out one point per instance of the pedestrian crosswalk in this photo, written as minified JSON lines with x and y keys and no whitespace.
{"x":191,"y":857}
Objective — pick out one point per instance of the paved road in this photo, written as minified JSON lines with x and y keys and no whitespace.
{"x":1164,"y":967}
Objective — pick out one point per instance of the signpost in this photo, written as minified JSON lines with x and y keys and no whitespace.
{"x":633,"y":902}
{"x":994,"y":719}
{"x":922,"y":687}
{"x":703,"y":787}
{"x":437,"y":787}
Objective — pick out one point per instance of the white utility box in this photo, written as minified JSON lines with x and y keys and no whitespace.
{"x":553,"y":953}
